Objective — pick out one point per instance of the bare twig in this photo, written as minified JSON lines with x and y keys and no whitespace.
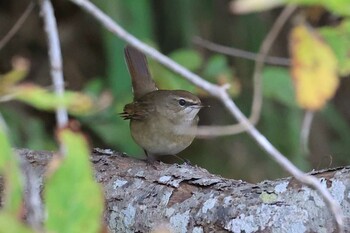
{"x":262,"y":55}
{"x":218,"y":130}
{"x":223,"y":96}
{"x":305,"y":131}
{"x":55,"y":58}
{"x":17,"y":25}
{"x":240,"y":53}
{"x":260,"y":59}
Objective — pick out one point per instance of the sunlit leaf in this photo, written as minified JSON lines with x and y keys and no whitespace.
{"x":74,"y":201}
{"x":20,"y":70}
{"x":41,"y":98}
{"x":339,"y":40}
{"x":277,"y":85}
{"x":340,"y":7}
{"x":9,"y":224}
{"x":9,"y":170}
{"x":314,"y":68}
{"x":247,"y":6}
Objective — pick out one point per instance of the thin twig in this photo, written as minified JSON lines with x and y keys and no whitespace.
{"x":240,"y":53}
{"x":260,"y":60}
{"x":55,"y":58}
{"x":305,"y":131}
{"x":223,"y":96}
{"x":209,"y":131}
{"x":17,"y":25}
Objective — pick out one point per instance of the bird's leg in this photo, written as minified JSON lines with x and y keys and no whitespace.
{"x":185,"y":161}
{"x":150,"y":158}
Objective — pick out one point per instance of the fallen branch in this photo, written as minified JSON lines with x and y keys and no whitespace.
{"x":185,"y":198}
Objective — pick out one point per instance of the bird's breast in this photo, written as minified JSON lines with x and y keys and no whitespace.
{"x":161,"y":136}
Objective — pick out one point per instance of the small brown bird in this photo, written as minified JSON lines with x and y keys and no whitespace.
{"x":161,"y":121}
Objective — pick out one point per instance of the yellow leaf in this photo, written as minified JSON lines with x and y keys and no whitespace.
{"x":20,"y":70}
{"x":314,"y":69}
{"x":41,"y":98}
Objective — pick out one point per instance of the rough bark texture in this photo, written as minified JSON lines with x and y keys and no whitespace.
{"x":141,"y":197}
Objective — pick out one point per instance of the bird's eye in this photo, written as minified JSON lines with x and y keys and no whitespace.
{"x":182,"y":102}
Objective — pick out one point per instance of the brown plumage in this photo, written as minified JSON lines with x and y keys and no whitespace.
{"x":142,"y":82}
{"x":161,"y":121}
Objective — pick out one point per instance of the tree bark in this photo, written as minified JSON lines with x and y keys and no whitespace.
{"x":141,"y":197}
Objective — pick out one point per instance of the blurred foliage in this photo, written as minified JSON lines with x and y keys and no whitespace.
{"x":280,"y":101}
{"x":68,"y":200}
{"x":10,"y":79}
{"x":10,"y":224}
{"x":69,"y":205}
{"x":170,"y":27}
{"x":9,"y":170}
{"x":28,"y":133}
{"x":41,"y":98}
{"x":340,"y":7}
{"x":13,"y":187}
{"x":278,"y":86}
{"x":338,"y":39}
{"x":166,"y":79}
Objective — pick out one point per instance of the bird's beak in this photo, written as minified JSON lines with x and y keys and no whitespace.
{"x":199,"y":106}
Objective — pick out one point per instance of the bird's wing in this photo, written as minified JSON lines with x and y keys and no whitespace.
{"x":137,"y":110}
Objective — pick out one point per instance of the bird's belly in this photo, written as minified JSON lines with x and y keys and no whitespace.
{"x":156,"y":141}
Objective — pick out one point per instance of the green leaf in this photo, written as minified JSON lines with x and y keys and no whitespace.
{"x":94,"y":86}
{"x":217,"y":70}
{"x":338,"y":39}
{"x":37,"y":138}
{"x":340,"y":7}
{"x":215,"y":65}
{"x":277,"y":85}
{"x":74,"y":201}
{"x":9,"y":169}
{"x":10,"y":224}
{"x":189,"y":58}
{"x":166,"y":79}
